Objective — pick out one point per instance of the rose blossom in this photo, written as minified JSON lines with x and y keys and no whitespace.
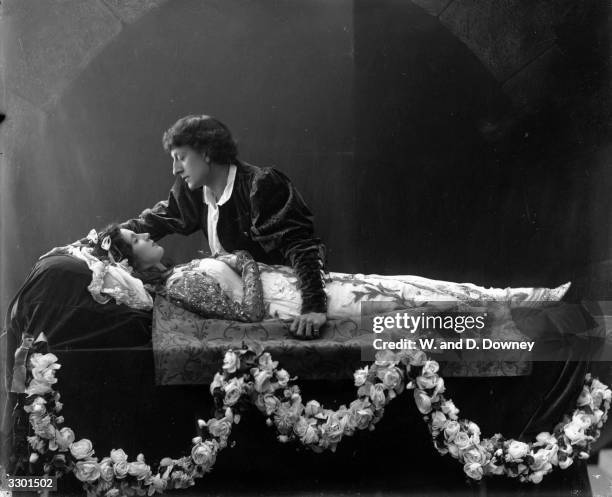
{"x":385,"y":358}
{"x":430,"y":368}
{"x":392,"y":378}
{"x":266,"y":363}
{"x":451,"y":429}
{"x":271,"y":403}
{"x":473,"y":470}
{"x":448,"y":408}
{"x":37,"y":387}
{"x":516,"y":451}
{"x":541,"y":460}
{"x":118,"y":455}
{"x":462,"y":440}
{"x":231,"y":362}
{"x":204,"y":454}
{"x":262,"y":381}
{"x":113,"y":492}
{"x":427,"y":382}
{"x":574,"y":431}
{"x":139,"y":469}
{"x":283,"y":377}
{"x":87,"y":471}
{"x":233,"y":391}
{"x":81,"y":449}
{"x":219,"y":428}
{"x":360,"y":376}
{"x":438,"y":420}
{"x":312,"y":408}
{"x":377,"y":395}
{"x":584,"y":399}
{"x":217,"y":382}
{"x":157,"y":484}
{"x":418,"y":358}
{"x":121,"y":469}
{"x":106,"y":470}
{"x":64,"y":438}
{"x":546,"y":439}
{"x":423,"y":401}
{"x":475,"y":455}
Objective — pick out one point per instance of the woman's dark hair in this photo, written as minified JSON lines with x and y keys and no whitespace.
{"x":204,"y":134}
{"x":119,"y":249}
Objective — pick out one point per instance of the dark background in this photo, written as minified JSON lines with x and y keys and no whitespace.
{"x":469,"y":145}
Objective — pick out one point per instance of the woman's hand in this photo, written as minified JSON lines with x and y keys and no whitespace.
{"x":230,"y":259}
{"x":307,"y":325}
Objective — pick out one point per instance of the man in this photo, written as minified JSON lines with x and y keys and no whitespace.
{"x":238,"y":206}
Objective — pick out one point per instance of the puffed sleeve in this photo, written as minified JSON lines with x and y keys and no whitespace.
{"x":200,"y":293}
{"x":181,"y":213}
{"x":282,"y":221}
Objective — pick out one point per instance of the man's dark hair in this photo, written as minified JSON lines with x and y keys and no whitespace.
{"x":204,"y":134}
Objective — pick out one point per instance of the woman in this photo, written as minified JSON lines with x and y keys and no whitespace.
{"x":235,"y":287}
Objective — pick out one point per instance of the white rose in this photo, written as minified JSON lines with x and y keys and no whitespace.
{"x":474,"y":455}
{"x":360,"y":376}
{"x":266,"y":362}
{"x":584,"y":399}
{"x":430,"y":368}
{"x":271,"y":403}
{"x":546,"y":438}
{"x":574,"y":432}
{"x":231,"y":362}
{"x":139,"y":470}
{"x":262,"y":381}
{"x":377,"y":395}
{"x":451,"y":429}
{"x":217,"y":382}
{"x":283,"y":377}
{"x":312,"y":408}
{"x":121,"y":469}
{"x":81,"y":449}
{"x":427,"y":382}
{"x":536,"y":477}
{"x":438,"y":420}
{"x":87,"y":471}
{"x":474,"y":470}
{"x":118,"y":455}
{"x":106,"y":470}
{"x":423,"y":401}
{"x":448,"y":408}
{"x":462,"y":440}
{"x":517,"y":450}
{"x":233,"y":391}
{"x":204,"y":454}
{"x":392,"y":378}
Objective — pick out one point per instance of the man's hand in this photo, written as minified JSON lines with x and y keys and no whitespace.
{"x":307,"y":325}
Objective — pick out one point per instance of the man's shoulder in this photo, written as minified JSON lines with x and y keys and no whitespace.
{"x":251,"y":174}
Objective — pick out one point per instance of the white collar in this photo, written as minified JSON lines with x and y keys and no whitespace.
{"x":209,"y":196}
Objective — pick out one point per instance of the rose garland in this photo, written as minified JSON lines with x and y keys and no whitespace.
{"x":251,"y":375}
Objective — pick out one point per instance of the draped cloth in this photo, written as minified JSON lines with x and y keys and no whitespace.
{"x":54,"y":300}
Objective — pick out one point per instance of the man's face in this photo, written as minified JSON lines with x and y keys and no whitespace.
{"x":190,"y":165}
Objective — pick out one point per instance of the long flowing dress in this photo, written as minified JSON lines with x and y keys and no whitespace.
{"x":211,"y":288}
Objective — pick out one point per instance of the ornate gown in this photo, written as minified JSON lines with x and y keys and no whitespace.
{"x":212,"y":289}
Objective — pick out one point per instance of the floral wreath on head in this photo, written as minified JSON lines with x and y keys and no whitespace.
{"x":251,"y":376}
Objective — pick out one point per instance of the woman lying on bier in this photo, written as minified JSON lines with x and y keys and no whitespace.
{"x":128,"y":267}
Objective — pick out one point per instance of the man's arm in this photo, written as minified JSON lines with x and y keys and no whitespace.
{"x":282,"y":221}
{"x":181,"y":213}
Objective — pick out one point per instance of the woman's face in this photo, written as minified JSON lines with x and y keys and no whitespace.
{"x":146,"y":252}
{"x":190,"y":165}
